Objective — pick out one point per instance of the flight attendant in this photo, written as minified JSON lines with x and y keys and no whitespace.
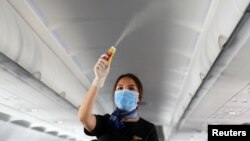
{"x":124,"y":123}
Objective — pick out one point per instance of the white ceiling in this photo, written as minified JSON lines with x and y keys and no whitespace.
{"x":84,"y":30}
{"x":170,"y":45}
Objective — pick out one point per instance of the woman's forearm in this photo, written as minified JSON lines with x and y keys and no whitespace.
{"x":85,"y":115}
{"x":85,"y":111}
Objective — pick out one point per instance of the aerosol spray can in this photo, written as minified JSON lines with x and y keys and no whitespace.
{"x":110,"y":53}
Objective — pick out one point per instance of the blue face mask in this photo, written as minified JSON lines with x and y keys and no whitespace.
{"x":126,"y":99}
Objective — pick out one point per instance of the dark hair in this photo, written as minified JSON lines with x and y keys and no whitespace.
{"x":136,"y":80}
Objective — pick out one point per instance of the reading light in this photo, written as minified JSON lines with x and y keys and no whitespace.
{"x":222,"y":39}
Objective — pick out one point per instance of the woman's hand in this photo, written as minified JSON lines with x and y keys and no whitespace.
{"x":101,"y":70}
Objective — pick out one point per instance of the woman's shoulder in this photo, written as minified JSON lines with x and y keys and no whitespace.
{"x":102,"y":117}
{"x":147,"y":129}
{"x":145,"y":123}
